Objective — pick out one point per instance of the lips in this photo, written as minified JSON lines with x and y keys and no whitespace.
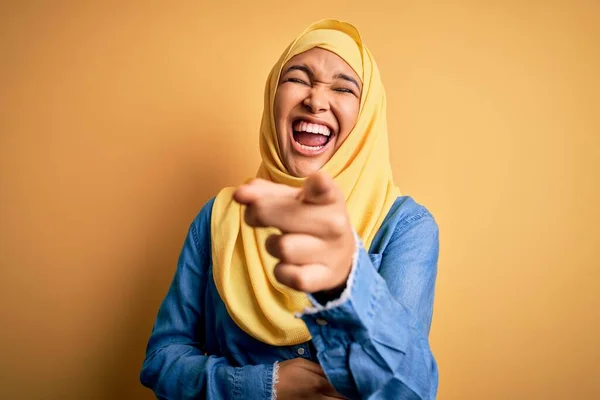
{"x":310,"y":137}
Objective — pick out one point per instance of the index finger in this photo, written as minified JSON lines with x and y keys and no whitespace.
{"x":259,"y":188}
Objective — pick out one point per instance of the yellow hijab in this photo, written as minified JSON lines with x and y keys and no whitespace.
{"x":242,"y":268}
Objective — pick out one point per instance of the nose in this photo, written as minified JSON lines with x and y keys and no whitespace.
{"x":317,"y":101}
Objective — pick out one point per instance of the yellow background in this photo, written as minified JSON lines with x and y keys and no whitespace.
{"x":117,"y":123}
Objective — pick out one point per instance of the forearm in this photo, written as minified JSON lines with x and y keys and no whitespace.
{"x":180,"y":371}
{"x":369,"y":343}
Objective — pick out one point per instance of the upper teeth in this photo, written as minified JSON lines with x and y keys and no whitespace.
{"x":303,"y":126}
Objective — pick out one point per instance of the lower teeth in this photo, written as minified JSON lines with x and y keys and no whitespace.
{"x":310,"y":147}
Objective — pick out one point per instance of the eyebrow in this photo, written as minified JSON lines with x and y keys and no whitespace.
{"x":311,"y":75}
{"x":302,"y":68}
{"x":347,"y":78}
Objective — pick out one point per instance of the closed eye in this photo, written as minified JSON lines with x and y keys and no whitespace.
{"x":345,"y":90}
{"x":296,"y":80}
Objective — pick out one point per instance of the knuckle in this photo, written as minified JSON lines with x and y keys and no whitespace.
{"x":301,"y":282}
{"x":337,"y":223}
{"x":286,"y":247}
{"x":320,"y":384}
{"x":283,"y":247}
{"x":279,"y":275}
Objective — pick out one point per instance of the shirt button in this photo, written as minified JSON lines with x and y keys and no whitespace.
{"x":321,"y":321}
{"x":301,"y":351}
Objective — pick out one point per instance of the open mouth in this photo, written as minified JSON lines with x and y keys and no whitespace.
{"x":311,"y":137}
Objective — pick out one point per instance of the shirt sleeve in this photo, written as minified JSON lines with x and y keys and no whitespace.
{"x":176,"y":366}
{"x":372,"y":341}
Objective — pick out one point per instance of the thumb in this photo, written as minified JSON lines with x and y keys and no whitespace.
{"x":320,"y":188}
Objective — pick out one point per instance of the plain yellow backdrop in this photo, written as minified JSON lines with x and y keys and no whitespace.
{"x":117,"y":123}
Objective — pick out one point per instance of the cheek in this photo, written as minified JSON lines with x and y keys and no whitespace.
{"x":277,"y":106}
{"x":347,"y":114}
{"x":280,"y":113}
{"x":286,"y":98}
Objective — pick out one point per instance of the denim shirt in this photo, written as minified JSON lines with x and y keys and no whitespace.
{"x":372,"y":342}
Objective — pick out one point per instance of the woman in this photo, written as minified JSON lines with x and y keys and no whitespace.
{"x":275,"y":294}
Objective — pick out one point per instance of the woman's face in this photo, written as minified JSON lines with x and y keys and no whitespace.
{"x":316,"y":107}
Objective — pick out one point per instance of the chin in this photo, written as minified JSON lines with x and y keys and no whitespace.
{"x":304,"y":170}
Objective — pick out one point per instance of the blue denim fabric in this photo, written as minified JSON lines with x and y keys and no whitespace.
{"x":374,"y":345}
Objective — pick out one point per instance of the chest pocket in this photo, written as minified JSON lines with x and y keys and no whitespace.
{"x":376,"y":260}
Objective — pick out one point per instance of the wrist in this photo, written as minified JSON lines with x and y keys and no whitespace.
{"x":336,"y":291}
{"x":333,"y":293}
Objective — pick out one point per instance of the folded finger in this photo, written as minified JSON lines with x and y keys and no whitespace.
{"x":293,"y":216}
{"x":263,"y":211}
{"x":297,"y":248}
{"x":304,"y":278}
